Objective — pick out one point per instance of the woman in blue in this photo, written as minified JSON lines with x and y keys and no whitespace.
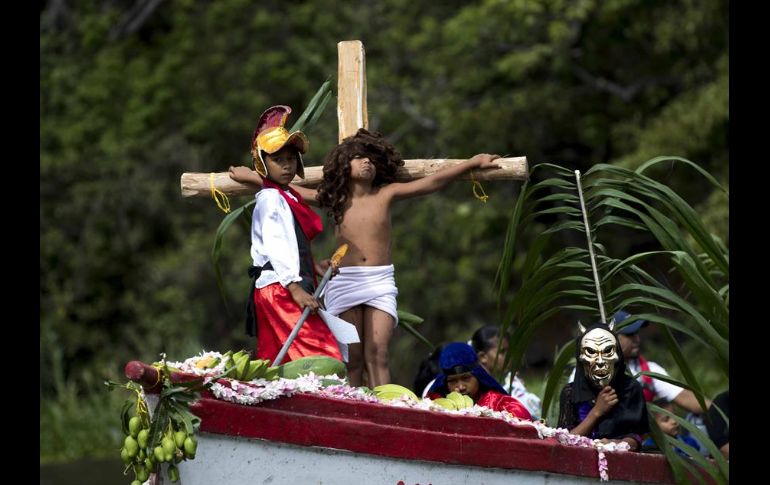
{"x":461,"y":372}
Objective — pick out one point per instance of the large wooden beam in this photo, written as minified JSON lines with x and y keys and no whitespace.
{"x":199,"y":184}
{"x":351,"y":88}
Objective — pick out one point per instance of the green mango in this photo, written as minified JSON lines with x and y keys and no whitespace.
{"x":134,"y":425}
{"x":142,"y":438}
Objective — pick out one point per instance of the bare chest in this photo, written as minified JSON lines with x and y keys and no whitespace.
{"x":366,"y":215}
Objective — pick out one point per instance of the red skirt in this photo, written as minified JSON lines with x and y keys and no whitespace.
{"x":277,"y":313}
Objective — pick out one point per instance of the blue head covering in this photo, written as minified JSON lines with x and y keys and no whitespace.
{"x":459,"y":358}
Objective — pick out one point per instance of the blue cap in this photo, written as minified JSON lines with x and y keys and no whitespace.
{"x":630,"y":328}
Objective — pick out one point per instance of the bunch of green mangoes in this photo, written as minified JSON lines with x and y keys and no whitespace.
{"x":137,"y":453}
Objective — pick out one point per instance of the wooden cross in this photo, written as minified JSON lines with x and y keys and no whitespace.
{"x":352,"y":115}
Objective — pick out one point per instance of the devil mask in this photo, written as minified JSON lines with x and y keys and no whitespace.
{"x":599,"y":356}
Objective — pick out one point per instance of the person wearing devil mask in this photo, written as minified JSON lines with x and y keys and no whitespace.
{"x":603,"y":402}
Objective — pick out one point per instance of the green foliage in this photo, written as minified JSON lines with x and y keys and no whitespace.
{"x":128,"y":103}
{"x":681,"y":286}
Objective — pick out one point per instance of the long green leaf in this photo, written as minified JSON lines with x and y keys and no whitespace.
{"x":313,"y":109}
{"x":216,"y":249}
{"x":723,"y":467}
{"x":560,"y":363}
{"x":409,"y":328}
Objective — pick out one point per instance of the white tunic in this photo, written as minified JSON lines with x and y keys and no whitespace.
{"x":273,"y":239}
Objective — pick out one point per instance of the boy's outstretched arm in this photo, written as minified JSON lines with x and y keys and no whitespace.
{"x":245,"y":175}
{"x":440,"y":179}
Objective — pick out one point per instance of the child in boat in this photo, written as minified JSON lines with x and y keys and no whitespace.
{"x":461,"y":372}
{"x":603,"y":402}
{"x":358,"y":189}
{"x":282,"y":227}
{"x":669,"y":426}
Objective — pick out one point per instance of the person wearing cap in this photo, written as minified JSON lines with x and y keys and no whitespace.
{"x":283,"y":271}
{"x":630,"y":343}
{"x":602,"y":402}
{"x":461,"y":372}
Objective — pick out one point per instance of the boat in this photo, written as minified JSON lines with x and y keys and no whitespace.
{"x":316,"y":439}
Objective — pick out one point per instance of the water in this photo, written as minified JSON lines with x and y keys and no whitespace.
{"x":85,"y":472}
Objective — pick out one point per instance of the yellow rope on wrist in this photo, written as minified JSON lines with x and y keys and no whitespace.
{"x":477,"y":187}
{"x":219,"y":197}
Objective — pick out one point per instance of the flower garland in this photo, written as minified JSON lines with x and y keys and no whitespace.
{"x":259,"y":390}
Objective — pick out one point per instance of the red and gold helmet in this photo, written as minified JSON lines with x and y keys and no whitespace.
{"x":270,"y":136}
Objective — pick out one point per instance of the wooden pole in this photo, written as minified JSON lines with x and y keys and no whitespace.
{"x":352,"y":115}
{"x":199,"y":184}
{"x":351,"y":88}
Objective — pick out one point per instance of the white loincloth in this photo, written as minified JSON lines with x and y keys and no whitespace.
{"x":362,"y":285}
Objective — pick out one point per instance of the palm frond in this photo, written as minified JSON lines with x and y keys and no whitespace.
{"x":682,"y":286}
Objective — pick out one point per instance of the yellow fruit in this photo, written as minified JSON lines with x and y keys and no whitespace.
{"x":389,"y":396}
{"x":468,"y":401}
{"x":456,"y":398}
{"x":390,"y":390}
{"x":205,"y":362}
{"x":446,"y":403}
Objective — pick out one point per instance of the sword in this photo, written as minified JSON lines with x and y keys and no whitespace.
{"x":335,"y":260}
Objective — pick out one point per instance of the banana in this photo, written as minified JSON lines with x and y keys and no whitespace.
{"x":468,"y":401}
{"x":456,"y":398}
{"x":256,"y":370}
{"x":241,"y":367}
{"x":446,"y":403}
{"x":389,"y":396}
{"x":233,"y":359}
{"x":271,"y":373}
{"x":393,"y":391}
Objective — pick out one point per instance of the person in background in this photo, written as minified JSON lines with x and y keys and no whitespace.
{"x":426,"y":374}
{"x":491,"y":352}
{"x":462,"y":373}
{"x":669,"y":426}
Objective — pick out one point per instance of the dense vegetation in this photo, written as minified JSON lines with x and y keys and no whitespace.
{"x":133,"y":96}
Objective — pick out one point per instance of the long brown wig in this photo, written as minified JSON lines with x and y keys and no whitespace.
{"x":334,"y":190}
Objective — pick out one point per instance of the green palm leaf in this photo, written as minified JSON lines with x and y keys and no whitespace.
{"x":686,"y":293}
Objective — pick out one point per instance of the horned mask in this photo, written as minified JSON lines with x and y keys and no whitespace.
{"x":599,"y":355}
